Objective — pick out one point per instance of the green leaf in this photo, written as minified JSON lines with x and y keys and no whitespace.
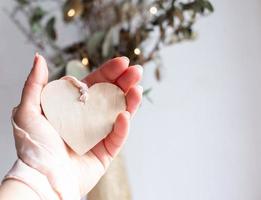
{"x":109,"y":42}
{"x":208,"y":6}
{"x":50,"y":29}
{"x":58,"y":60}
{"x":22,"y":2}
{"x":35,"y":19}
{"x":178,"y":13}
{"x":94,"y":42}
{"x":146,"y":92}
{"x":201,"y":5}
{"x":37,"y":15}
{"x":35,"y":27}
{"x":196,"y":6}
{"x":158,"y":20}
{"x":149,"y":29}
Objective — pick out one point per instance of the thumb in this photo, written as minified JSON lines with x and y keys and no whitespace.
{"x":35,"y":82}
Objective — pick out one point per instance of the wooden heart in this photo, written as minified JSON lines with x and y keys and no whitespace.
{"x":82,"y":125}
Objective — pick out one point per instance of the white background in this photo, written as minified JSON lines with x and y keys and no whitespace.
{"x":200,"y":139}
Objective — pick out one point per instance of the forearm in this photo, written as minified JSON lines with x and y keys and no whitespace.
{"x":15,"y":190}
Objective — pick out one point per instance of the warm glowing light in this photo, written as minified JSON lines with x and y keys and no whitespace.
{"x":137,"y":51}
{"x":153,"y":10}
{"x":85,"y":61}
{"x":71,"y":12}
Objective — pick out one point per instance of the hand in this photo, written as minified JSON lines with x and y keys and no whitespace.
{"x":90,"y":167}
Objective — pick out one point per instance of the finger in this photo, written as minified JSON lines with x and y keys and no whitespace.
{"x":107,"y":149}
{"x":108,"y":72}
{"x":130,"y":77}
{"x":133,"y":99}
{"x":116,"y":139}
{"x":35,"y":82}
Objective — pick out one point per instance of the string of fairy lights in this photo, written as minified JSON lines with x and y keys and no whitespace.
{"x":137,"y":51}
{"x":110,"y":29}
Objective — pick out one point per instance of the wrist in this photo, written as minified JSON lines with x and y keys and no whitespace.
{"x":32,"y":179}
{"x":47,"y":158}
{"x":12,"y":189}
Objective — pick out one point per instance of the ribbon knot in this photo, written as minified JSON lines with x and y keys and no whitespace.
{"x":83,"y":88}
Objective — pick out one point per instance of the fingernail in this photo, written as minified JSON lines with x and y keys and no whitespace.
{"x":140,"y":68}
{"x":140,"y":88}
{"x":126,"y":58}
{"x":36,"y":56}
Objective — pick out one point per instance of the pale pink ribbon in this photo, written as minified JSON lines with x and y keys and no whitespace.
{"x":44,"y":171}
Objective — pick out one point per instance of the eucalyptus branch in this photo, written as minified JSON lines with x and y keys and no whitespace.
{"x":100,"y":21}
{"x":23,"y":30}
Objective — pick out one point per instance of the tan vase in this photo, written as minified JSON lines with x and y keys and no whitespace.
{"x":114,"y":184}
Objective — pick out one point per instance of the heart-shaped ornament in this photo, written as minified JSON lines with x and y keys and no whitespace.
{"x":82,"y":124}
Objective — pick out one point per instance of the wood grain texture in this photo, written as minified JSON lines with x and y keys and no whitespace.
{"x":82,"y":125}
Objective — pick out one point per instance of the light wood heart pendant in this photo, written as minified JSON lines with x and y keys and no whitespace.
{"x":82,"y":124}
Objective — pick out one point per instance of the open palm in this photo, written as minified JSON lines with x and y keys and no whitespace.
{"x":88,"y":168}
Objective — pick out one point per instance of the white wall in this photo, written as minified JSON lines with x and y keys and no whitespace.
{"x":200,"y":139}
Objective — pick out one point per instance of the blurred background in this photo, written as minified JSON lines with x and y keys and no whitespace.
{"x":200,"y":138}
